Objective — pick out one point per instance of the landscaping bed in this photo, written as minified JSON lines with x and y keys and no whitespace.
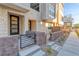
{"x":77,"y":31}
{"x":59,"y":37}
{"x":60,"y":41}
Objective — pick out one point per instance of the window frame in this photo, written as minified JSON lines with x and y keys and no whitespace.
{"x":35,"y":6}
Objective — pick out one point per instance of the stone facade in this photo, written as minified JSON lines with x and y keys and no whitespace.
{"x":9,"y":46}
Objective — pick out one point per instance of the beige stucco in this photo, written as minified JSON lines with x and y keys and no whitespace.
{"x":3,"y":22}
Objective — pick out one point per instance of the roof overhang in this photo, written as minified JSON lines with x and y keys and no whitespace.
{"x":14,"y":6}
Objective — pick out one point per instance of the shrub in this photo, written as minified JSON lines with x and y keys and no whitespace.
{"x":49,"y":50}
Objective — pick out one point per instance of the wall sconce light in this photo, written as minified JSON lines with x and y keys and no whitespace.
{"x":41,"y":22}
{"x":46,"y":24}
{"x":52,"y":25}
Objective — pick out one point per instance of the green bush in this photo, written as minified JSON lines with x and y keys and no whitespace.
{"x":49,"y":50}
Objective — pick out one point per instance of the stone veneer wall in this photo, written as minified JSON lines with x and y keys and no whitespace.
{"x":40,"y":38}
{"x":9,"y":46}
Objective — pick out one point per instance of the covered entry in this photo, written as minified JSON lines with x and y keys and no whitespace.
{"x":32,"y":25}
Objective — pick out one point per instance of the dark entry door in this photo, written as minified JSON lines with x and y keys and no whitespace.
{"x":14,"y":25}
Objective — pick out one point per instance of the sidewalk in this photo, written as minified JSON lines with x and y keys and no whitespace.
{"x":71,"y":46}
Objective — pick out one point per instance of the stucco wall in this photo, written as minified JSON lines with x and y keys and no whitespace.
{"x":33,"y":15}
{"x":3,"y":22}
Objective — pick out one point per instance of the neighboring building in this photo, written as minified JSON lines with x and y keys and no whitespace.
{"x":52,"y":14}
{"x":16,"y":18}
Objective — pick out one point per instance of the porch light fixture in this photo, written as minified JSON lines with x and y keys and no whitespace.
{"x":46,"y":24}
{"x":41,"y":22}
{"x":52,"y":25}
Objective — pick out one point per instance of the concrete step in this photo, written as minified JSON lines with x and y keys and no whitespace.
{"x":39,"y":53}
{"x":56,"y":47}
{"x":25,"y":51}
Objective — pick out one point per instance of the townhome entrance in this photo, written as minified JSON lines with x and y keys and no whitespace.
{"x":32,"y":25}
{"x":14,"y":25}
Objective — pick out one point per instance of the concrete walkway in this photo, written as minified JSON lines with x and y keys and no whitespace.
{"x":71,"y":46}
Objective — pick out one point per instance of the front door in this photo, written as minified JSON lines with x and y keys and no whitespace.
{"x":14,"y":25}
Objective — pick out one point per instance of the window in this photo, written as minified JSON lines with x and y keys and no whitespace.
{"x":35,"y":6}
{"x":52,"y":11}
{"x":14,"y":25}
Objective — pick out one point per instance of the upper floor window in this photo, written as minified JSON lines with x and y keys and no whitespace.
{"x":35,"y":6}
{"x":52,"y":10}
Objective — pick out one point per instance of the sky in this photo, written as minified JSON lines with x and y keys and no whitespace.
{"x":73,"y":9}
